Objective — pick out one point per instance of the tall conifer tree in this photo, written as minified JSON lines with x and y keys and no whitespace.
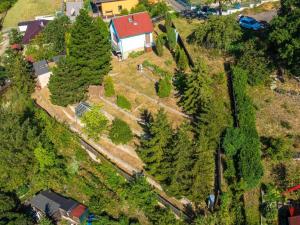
{"x":153,"y":147}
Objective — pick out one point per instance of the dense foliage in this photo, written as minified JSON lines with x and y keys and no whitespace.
{"x":94,"y":122}
{"x":284,"y":36}
{"x":120,"y":132}
{"x":242,"y":144}
{"x":181,"y":59}
{"x":253,"y":59}
{"x":218,"y":32}
{"x":88,"y":60}
{"x":6,"y":4}
{"x":159,"y":45}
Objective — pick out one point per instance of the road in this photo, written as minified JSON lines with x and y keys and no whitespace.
{"x":178,"y":7}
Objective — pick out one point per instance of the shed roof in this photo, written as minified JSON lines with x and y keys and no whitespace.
{"x":133,"y":24}
{"x":33,"y":28}
{"x":295,"y":220}
{"x":78,"y":211}
{"x":41,"y":67}
{"x":49,"y":202}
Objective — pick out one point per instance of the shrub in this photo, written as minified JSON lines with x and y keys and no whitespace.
{"x":123,"y":102}
{"x":255,"y":62}
{"x":109,"y":87}
{"x":218,"y":32}
{"x":155,"y":69}
{"x":164,"y":87}
{"x":160,"y":45}
{"x":181,"y":59}
{"x":285,"y":124}
{"x":120,"y":132}
{"x":94,"y":122}
{"x":171,"y":36}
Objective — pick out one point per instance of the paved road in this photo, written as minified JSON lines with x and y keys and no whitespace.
{"x":178,"y":7}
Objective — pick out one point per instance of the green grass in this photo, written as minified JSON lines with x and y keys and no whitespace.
{"x":27,"y":9}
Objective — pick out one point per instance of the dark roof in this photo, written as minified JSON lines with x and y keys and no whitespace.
{"x":41,"y":67}
{"x":49,"y":202}
{"x":33,"y":28}
{"x":81,"y":108}
{"x":133,"y":24}
{"x":24,"y":23}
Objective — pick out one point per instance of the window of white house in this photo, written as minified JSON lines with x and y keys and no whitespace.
{"x":120,"y":8}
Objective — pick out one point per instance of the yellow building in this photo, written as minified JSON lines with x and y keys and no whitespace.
{"x":115,"y":7}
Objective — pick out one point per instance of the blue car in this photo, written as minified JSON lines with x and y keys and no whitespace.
{"x":250,"y":23}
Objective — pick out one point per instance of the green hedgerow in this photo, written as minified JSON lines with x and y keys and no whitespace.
{"x":109,"y":89}
{"x":123,"y":102}
{"x":120,"y":132}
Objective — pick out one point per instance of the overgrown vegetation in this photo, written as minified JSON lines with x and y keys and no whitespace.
{"x":120,"y":132}
{"x":87,"y":62}
{"x":109,"y":89}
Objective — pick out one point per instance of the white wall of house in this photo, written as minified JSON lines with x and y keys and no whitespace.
{"x":134,"y":43}
{"x":43,"y":79}
{"x":22,"y":28}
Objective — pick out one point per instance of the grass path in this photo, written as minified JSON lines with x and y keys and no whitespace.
{"x":28,"y":9}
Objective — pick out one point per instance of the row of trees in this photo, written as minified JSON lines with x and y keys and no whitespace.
{"x":183,"y":159}
{"x":87,"y":62}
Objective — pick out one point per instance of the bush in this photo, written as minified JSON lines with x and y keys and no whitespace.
{"x":155,"y":69}
{"x":160,"y":45}
{"x":255,"y":62}
{"x":181,"y":59}
{"x":109,"y":89}
{"x":171,"y":36}
{"x":94,"y":122}
{"x":120,"y":132}
{"x":123,"y":102}
{"x":164,"y":87}
{"x":218,"y":32}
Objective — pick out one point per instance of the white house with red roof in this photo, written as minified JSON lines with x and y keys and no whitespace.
{"x":131,"y":33}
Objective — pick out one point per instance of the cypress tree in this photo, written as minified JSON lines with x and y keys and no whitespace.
{"x":203,"y":171}
{"x":65,"y":84}
{"x":153,"y":147}
{"x":183,"y":149}
{"x":90,"y":47}
{"x":198,"y":91}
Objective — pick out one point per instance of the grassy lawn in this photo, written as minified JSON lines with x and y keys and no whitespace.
{"x":251,"y":201}
{"x":277,"y":115}
{"x":27,"y":9}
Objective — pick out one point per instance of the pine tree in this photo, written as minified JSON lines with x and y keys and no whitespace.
{"x":181,"y":58}
{"x":203,"y":171}
{"x":153,"y":147}
{"x":66,"y":85}
{"x":160,"y":45}
{"x":90,"y":47}
{"x":198,"y":91}
{"x":183,"y":150}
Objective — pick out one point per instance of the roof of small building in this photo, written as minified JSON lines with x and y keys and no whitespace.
{"x":50,"y":202}
{"x":33,"y":28}
{"x":295,"y":220}
{"x":78,"y":211}
{"x":41,"y":67}
{"x":73,"y":9}
{"x":133,"y":24}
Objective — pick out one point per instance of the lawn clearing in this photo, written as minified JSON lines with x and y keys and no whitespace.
{"x":27,"y":10}
{"x":277,"y":115}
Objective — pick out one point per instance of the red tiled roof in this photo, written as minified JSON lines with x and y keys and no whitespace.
{"x":33,"y":28}
{"x":133,"y":24}
{"x":78,"y":211}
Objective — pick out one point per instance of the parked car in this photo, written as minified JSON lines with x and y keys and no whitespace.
{"x":250,"y":23}
{"x":209,"y":11}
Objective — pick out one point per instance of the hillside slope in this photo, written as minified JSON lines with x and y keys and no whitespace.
{"x":27,"y":9}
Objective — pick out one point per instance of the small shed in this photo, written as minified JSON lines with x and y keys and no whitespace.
{"x":81,"y":108}
{"x":42,"y":73}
